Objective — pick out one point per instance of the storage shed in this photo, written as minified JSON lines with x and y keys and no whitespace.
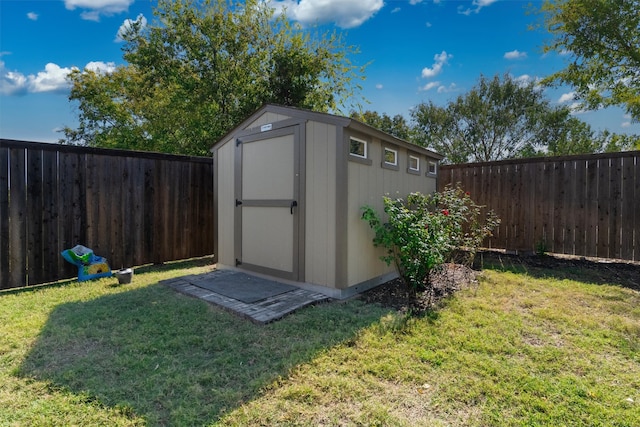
{"x":289,"y":186}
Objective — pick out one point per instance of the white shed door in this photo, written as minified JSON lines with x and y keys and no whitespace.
{"x":267,"y":202}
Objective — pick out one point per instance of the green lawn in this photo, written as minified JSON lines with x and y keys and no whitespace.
{"x":525,"y":348}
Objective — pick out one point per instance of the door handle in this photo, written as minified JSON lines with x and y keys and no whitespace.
{"x":293,"y":205}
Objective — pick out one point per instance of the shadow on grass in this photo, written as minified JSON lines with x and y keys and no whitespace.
{"x":547,"y":266}
{"x":181,"y":264}
{"x":175,"y":360}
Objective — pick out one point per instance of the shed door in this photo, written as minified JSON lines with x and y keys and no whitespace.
{"x":267,"y":200}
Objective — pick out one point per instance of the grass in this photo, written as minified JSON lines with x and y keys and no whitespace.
{"x":524,"y":349}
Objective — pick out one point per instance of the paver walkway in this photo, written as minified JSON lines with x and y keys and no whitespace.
{"x":264,"y":308}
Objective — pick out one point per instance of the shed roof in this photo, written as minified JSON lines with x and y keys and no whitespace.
{"x":345,"y":122}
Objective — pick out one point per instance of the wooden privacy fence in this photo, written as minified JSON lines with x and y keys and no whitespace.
{"x":132,"y":208}
{"x":576,"y":205}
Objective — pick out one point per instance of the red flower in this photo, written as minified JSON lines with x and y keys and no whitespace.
{"x":467,"y":193}
{"x":445,"y":212}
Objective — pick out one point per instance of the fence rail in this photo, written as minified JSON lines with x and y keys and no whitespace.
{"x":575,"y":205}
{"x":132,"y":208}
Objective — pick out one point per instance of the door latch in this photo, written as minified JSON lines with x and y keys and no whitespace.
{"x":293,"y":205}
{"x":238,"y":202}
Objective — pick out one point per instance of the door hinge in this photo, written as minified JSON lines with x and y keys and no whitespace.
{"x":238,"y":142}
{"x":238,"y":202}
{"x":238,"y":262}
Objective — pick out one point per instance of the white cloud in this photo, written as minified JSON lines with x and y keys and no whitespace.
{"x":127,"y":26}
{"x":477,"y":5}
{"x":625,"y":124}
{"x":100,"y":67}
{"x":414,"y":2}
{"x":428,"y":24}
{"x":379,"y":86}
{"x":397,"y":9}
{"x":11,"y":82}
{"x":93,"y":9}
{"x":440,"y":60}
{"x":345,"y":14}
{"x":567,"y":97}
{"x":446,"y":89}
{"x":430,"y":86}
{"x":515,"y":54}
{"x":33,"y":16}
{"x":52,"y":79}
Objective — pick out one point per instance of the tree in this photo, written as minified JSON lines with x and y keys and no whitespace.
{"x":396,"y":125}
{"x":603,"y":39}
{"x":203,"y":67}
{"x":497,"y":119}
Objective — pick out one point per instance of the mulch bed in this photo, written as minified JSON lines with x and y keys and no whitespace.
{"x":446,"y":281}
{"x":454,"y":277}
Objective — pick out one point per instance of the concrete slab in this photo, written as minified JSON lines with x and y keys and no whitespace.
{"x":257,"y":299}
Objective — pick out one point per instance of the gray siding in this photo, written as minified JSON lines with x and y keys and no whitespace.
{"x":321,"y":204}
{"x":266,"y":118}
{"x":367,"y":185}
{"x":226,"y":203}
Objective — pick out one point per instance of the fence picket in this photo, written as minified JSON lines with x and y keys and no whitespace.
{"x":578,"y":205}
{"x":4,"y":217}
{"x":132,"y":208}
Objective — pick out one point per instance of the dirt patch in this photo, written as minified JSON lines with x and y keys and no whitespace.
{"x":446,"y":281}
{"x":454,"y":277}
{"x":592,"y":270}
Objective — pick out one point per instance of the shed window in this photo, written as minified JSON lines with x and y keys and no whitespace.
{"x":414,"y":163}
{"x":358,"y":148}
{"x":391,"y":156}
{"x":433,"y":168}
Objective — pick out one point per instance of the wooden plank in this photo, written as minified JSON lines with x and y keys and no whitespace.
{"x":539,"y":206}
{"x":159,"y":223}
{"x":569,"y":207}
{"x":485,"y":191}
{"x":149,"y":211}
{"x":591,"y":209}
{"x":580,"y":198}
{"x":4,"y":217}
{"x":520,"y":208}
{"x":549,"y":190}
{"x":529,"y":188}
{"x":113,"y":207}
{"x":18,"y":220}
{"x":557,"y":193}
{"x":34,"y":217}
{"x":51,"y":259}
{"x":615,"y":206}
{"x":137,"y":189}
{"x":506,"y":189}
{"x":497,"y":200}
{"x":602,"y":249}
{"x":636,"y":219}
{"x":629,"y":206}
{"x":70,"y":206}
{"x":127,"y":213}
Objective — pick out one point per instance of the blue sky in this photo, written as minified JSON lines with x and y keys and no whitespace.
{"x":418,"y":50}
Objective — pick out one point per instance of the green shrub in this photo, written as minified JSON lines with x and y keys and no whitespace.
{"x":425,"y":231}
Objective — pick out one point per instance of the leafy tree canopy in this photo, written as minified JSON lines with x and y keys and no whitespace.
{"x":201,"y":68}
{"x":603,"y":39}
{"x":396,"y":125}
{"x":498,"y":118}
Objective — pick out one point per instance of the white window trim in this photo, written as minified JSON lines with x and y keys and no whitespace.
{"x":435,"y":168}
{"x":417,"y":168}
{"x":395,"y":152}
{"x":366,"y":148}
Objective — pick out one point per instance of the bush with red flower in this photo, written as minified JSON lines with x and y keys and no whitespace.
{"x":423,"y":232}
